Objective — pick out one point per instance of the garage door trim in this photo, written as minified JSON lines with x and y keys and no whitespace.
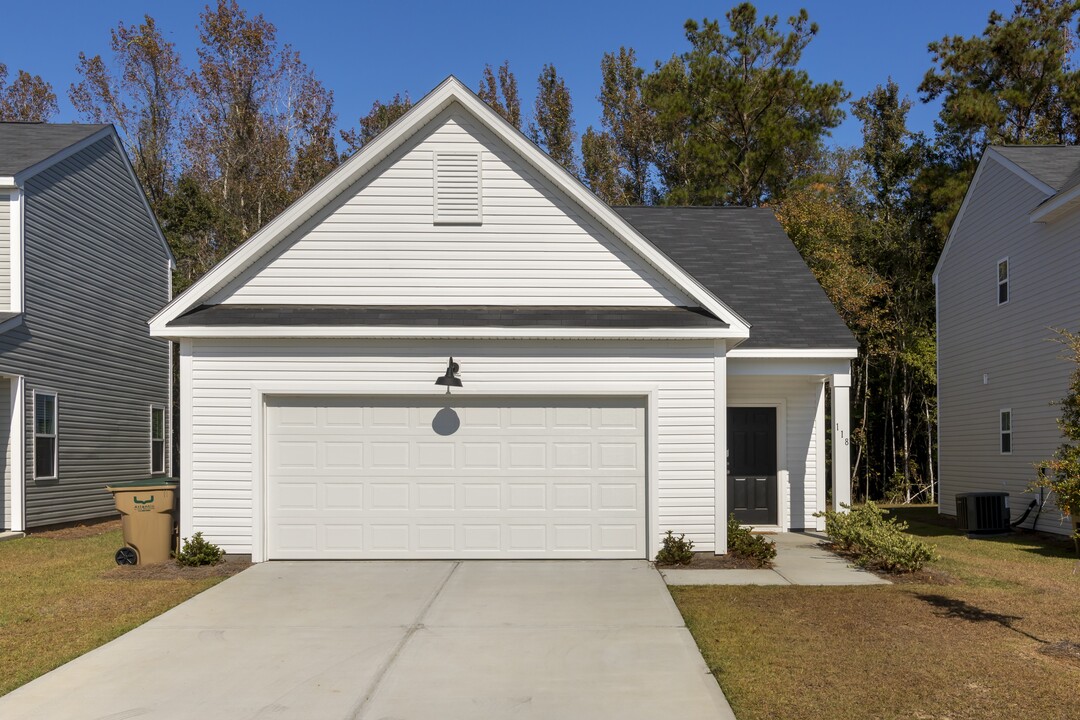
{"x":263,"y":395}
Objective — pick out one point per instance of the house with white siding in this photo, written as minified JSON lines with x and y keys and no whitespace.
{"x":450,"y":348}
{"x":1008,"y":277}
{"x":84,"y":389}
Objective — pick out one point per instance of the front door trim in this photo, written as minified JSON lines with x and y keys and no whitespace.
{"x":783,"y":492}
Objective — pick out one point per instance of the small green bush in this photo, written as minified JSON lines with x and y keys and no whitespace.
{"x":875,"y":542}
{"x":743,"y":543}
{"x":675,"y":550}
{"x":199,"y":551}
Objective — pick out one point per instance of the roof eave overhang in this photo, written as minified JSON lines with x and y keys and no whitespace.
{"x":449,"y":91}
{"x":448,"y":333}
{"x":822,"y":353}
{"x":1056,"y":207}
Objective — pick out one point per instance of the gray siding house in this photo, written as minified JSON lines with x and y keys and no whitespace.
{"x":84,"y":389}
{"x":1008,"y":276}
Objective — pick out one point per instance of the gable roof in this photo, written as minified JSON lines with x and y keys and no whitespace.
{"x":744,"y":256}
{"x":345,"y":175}
{"x":24,"y":145}
{"x":1055,"y":165}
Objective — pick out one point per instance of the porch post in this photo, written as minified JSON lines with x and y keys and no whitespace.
{"x":841,"y":443}
{"x":720,"y":451}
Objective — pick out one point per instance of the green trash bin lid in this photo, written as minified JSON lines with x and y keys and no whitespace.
{"x":148,"y":482}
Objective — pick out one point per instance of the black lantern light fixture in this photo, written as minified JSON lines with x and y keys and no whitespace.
{"x":450,"y":379}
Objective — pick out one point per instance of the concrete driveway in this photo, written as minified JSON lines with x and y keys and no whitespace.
{"x":424,"y":640}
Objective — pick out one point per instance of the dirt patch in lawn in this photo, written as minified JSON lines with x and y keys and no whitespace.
{"x":171,"y":571}
{"x":711,"y":561}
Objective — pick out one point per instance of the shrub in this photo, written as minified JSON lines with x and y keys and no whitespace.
{"x":675,"y":550}
{"x":199,"y":551}
{"x":875,"y":542}
{"x":744,"y":543}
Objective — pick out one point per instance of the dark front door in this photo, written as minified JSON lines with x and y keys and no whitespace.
{"x":752,"y":465}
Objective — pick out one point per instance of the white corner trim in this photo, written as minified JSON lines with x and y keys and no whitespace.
{"x":187,"y":428}
{"x":989,"y":155}
{"x":16,"y":247}
{"x":720,"y":450}
{"x":60,"y":156}
{"x":411,"y":331}
{"x":17,"y":434}
{"x":449,"y":91}
{"x":7,"y":182}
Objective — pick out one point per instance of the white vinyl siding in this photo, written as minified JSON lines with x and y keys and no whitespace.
{"x":1010,"y":344}
{"x":377,"y":244}
{"x":5,"y":251}
{"x":798,"y":399}
{"x":226,"y":373}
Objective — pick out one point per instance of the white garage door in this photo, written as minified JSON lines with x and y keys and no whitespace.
{"x":455,"y":478}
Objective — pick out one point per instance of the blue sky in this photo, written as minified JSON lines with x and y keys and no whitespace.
{"x":364,"y":51}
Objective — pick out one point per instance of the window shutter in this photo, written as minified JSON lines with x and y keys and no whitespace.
{"x":458,"y":188}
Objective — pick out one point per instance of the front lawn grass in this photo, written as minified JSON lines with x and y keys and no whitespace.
{"x":974,"y":645}
{"x":55,"y":603}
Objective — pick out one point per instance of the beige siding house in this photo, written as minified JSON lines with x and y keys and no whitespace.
{"x":1009,"y":276}
{"x":607,"y":360}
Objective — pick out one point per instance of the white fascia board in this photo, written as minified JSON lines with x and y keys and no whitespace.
{"x":471,"y":333}
{"x":1055,"y":207}
{"x":839,"y":353}
{"x":21,"y":177}
{"x":450,"y":90}
{"x":7,"y":182}
{"x":995,"y":156}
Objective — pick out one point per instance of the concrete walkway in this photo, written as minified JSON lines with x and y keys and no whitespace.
{"x":423,"y":640}
{"x":800,"y":560}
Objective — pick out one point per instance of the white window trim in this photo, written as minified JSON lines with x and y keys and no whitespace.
{"x":56,"y":434}
{"x":1007,"y":282}
{"x":1003,"y":433}
{"x":164,"y":440}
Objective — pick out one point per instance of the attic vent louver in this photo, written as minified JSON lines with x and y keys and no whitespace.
{"x":458,"y":188}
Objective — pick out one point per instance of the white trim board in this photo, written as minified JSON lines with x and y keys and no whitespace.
{"x":423,"y":332}
{"x":345,"y":175}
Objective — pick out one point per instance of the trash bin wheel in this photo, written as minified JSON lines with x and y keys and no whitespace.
{"x":127,"y":556}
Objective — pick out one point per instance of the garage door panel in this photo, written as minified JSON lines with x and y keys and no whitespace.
{"x":525,"y":477}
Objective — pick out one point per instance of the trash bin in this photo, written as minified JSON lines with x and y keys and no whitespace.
{"x":146,"y":509}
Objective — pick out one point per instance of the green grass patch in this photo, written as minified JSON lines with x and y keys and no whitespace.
{"x":55,"y":603}
{"x":968,"y":638}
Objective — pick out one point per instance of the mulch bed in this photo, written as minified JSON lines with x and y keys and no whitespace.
{"x":709,"y":561}
{"x":171,"y":571}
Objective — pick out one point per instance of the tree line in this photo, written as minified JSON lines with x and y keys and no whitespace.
{"x":222,"y":145}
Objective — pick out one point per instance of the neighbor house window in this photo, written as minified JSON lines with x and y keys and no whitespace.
{"x":157,"y":441}
{"x":1006,"y":432}
{"x":44,"y":435}
{"x":1003,"y":281}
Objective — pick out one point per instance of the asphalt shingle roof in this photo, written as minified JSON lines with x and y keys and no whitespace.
{"x":1056,"y":165}
{"x":449,"y":316}
{"x":23,"y":145}
{"x":745,"y":258}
